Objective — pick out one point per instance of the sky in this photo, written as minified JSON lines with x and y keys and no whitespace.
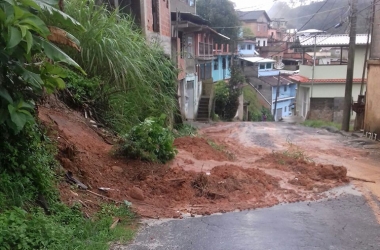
{"x":245,"y":5}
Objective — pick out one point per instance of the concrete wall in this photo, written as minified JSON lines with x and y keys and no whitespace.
{"x":335,"y":90}
{"x":327,"y":109}
{"x":335,"y":71}
{"x":372,"y":112}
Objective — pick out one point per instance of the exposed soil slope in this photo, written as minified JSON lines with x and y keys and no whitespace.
{"x":201,"y":180}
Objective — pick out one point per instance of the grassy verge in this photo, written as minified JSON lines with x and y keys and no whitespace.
{"x":319,"y":124}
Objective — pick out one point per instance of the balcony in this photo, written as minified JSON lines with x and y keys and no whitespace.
{"x":205,"y":51}
{"x":221,"y":49}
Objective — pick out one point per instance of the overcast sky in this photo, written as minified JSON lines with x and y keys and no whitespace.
{"x":253,"y":4}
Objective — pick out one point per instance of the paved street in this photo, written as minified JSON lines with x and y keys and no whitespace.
{"x":341,"y":224}
{"x":347,"y":219}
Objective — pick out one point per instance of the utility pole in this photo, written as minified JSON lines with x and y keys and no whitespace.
{"x":350,"y":68}
{"x":277,"y":93}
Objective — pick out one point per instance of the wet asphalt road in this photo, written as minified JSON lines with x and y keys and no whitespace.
{"x":343,"y":223}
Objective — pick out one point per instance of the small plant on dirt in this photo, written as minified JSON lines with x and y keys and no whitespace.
{"x":221,"y":148}
{"x":294,"y":152}
{"x":184,"y":130}
{"x":149,"y":141}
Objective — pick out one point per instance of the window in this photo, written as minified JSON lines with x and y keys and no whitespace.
{"x":258,"y":43}
{"x":285,"y":108}
{"x":249,"y":47}
{"x":263,"y":43}
{"x":285,"y":88}
{"x":262,"y":66}
{"x":224,"y":63}
{"x":272,"y":33}
{"x":260,"y":86}
{"x":269,"y":66}
{"x":242,"y":46}
{"x":216,"y":64}
{"x":156,"y":18}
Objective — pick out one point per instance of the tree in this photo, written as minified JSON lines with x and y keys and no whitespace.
{"x":221,"y":15}
{"x":28,"y":60}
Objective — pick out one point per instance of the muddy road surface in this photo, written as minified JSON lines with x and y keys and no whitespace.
{"x":309,"y":188}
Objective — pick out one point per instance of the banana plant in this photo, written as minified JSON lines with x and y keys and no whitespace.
{"x":29,"y":61}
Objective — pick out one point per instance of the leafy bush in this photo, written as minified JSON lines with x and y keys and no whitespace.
{"x":150,"y":141}
{"x":26,"y":72}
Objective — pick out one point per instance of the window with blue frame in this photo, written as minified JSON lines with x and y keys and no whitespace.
{"x":269,"y":66}
{"x":285,"y":88}
{"x":262,"y":66}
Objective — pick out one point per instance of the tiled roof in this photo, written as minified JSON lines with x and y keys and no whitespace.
{"x":306,"y":80}
{"x":251,"y":15}
{"x":332,"y":40}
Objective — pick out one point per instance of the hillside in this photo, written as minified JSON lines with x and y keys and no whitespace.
{"x":298,"y":16}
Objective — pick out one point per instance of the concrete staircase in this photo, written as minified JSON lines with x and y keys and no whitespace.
{"x":203,"y":114}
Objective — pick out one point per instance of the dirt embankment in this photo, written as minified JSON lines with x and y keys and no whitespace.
{"x":158,"y":190}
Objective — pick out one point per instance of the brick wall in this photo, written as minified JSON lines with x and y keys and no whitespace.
{"x":164,"y":16}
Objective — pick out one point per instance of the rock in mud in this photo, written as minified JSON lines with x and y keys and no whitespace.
{"x":137,"y":193}
{"x":117,"y":169}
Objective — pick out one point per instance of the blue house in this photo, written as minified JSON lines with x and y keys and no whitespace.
{"x":285,"y":99}
{"x":286,"y":96}
{"x":221,"y":63}
{"x":246,"y":48}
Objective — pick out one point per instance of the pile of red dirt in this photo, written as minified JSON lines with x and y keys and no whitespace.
{"x":199,"y":148}
{"x":307,"y":173}
{"x":158,"y":190}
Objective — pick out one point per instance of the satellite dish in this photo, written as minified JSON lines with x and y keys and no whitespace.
{"x":279,"y":65}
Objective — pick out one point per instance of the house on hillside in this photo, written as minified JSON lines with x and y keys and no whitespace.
{"x":322,"y":98}
{"x":153,"y":16}
{"x":262,"y":76}
{"x":258,"y":22}
{"x":199,"y":60}
{"x":246,"y":48}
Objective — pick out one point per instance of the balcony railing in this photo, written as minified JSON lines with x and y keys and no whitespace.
{"x":221,"y":49}
{"x":205,"y":49}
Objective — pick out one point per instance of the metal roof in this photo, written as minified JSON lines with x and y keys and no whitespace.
{"x":257,"y":59}
{"x":332,"y":40}
{"x":187,"y":16}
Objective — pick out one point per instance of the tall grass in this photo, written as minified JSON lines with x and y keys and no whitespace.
{"x":138,"y":80}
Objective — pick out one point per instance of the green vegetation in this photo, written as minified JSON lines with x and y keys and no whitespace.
{"x":227,"y":95}
{"x":150,"y":141}
{"x":134,"y":81}
{"x":320,"y":123}
{"x":220,"y":13}
{"x":28,"y":60}
{"x":255,"y":110}
{"x":28,"y":184}
{"x":183,"y":130}
{"x":31,"y":215}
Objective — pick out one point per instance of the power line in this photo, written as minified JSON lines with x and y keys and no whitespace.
{"x":323,"y":5}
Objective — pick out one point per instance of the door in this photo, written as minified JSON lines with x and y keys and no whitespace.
{"x":278,"y":114}
{"x":190,"y":94}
